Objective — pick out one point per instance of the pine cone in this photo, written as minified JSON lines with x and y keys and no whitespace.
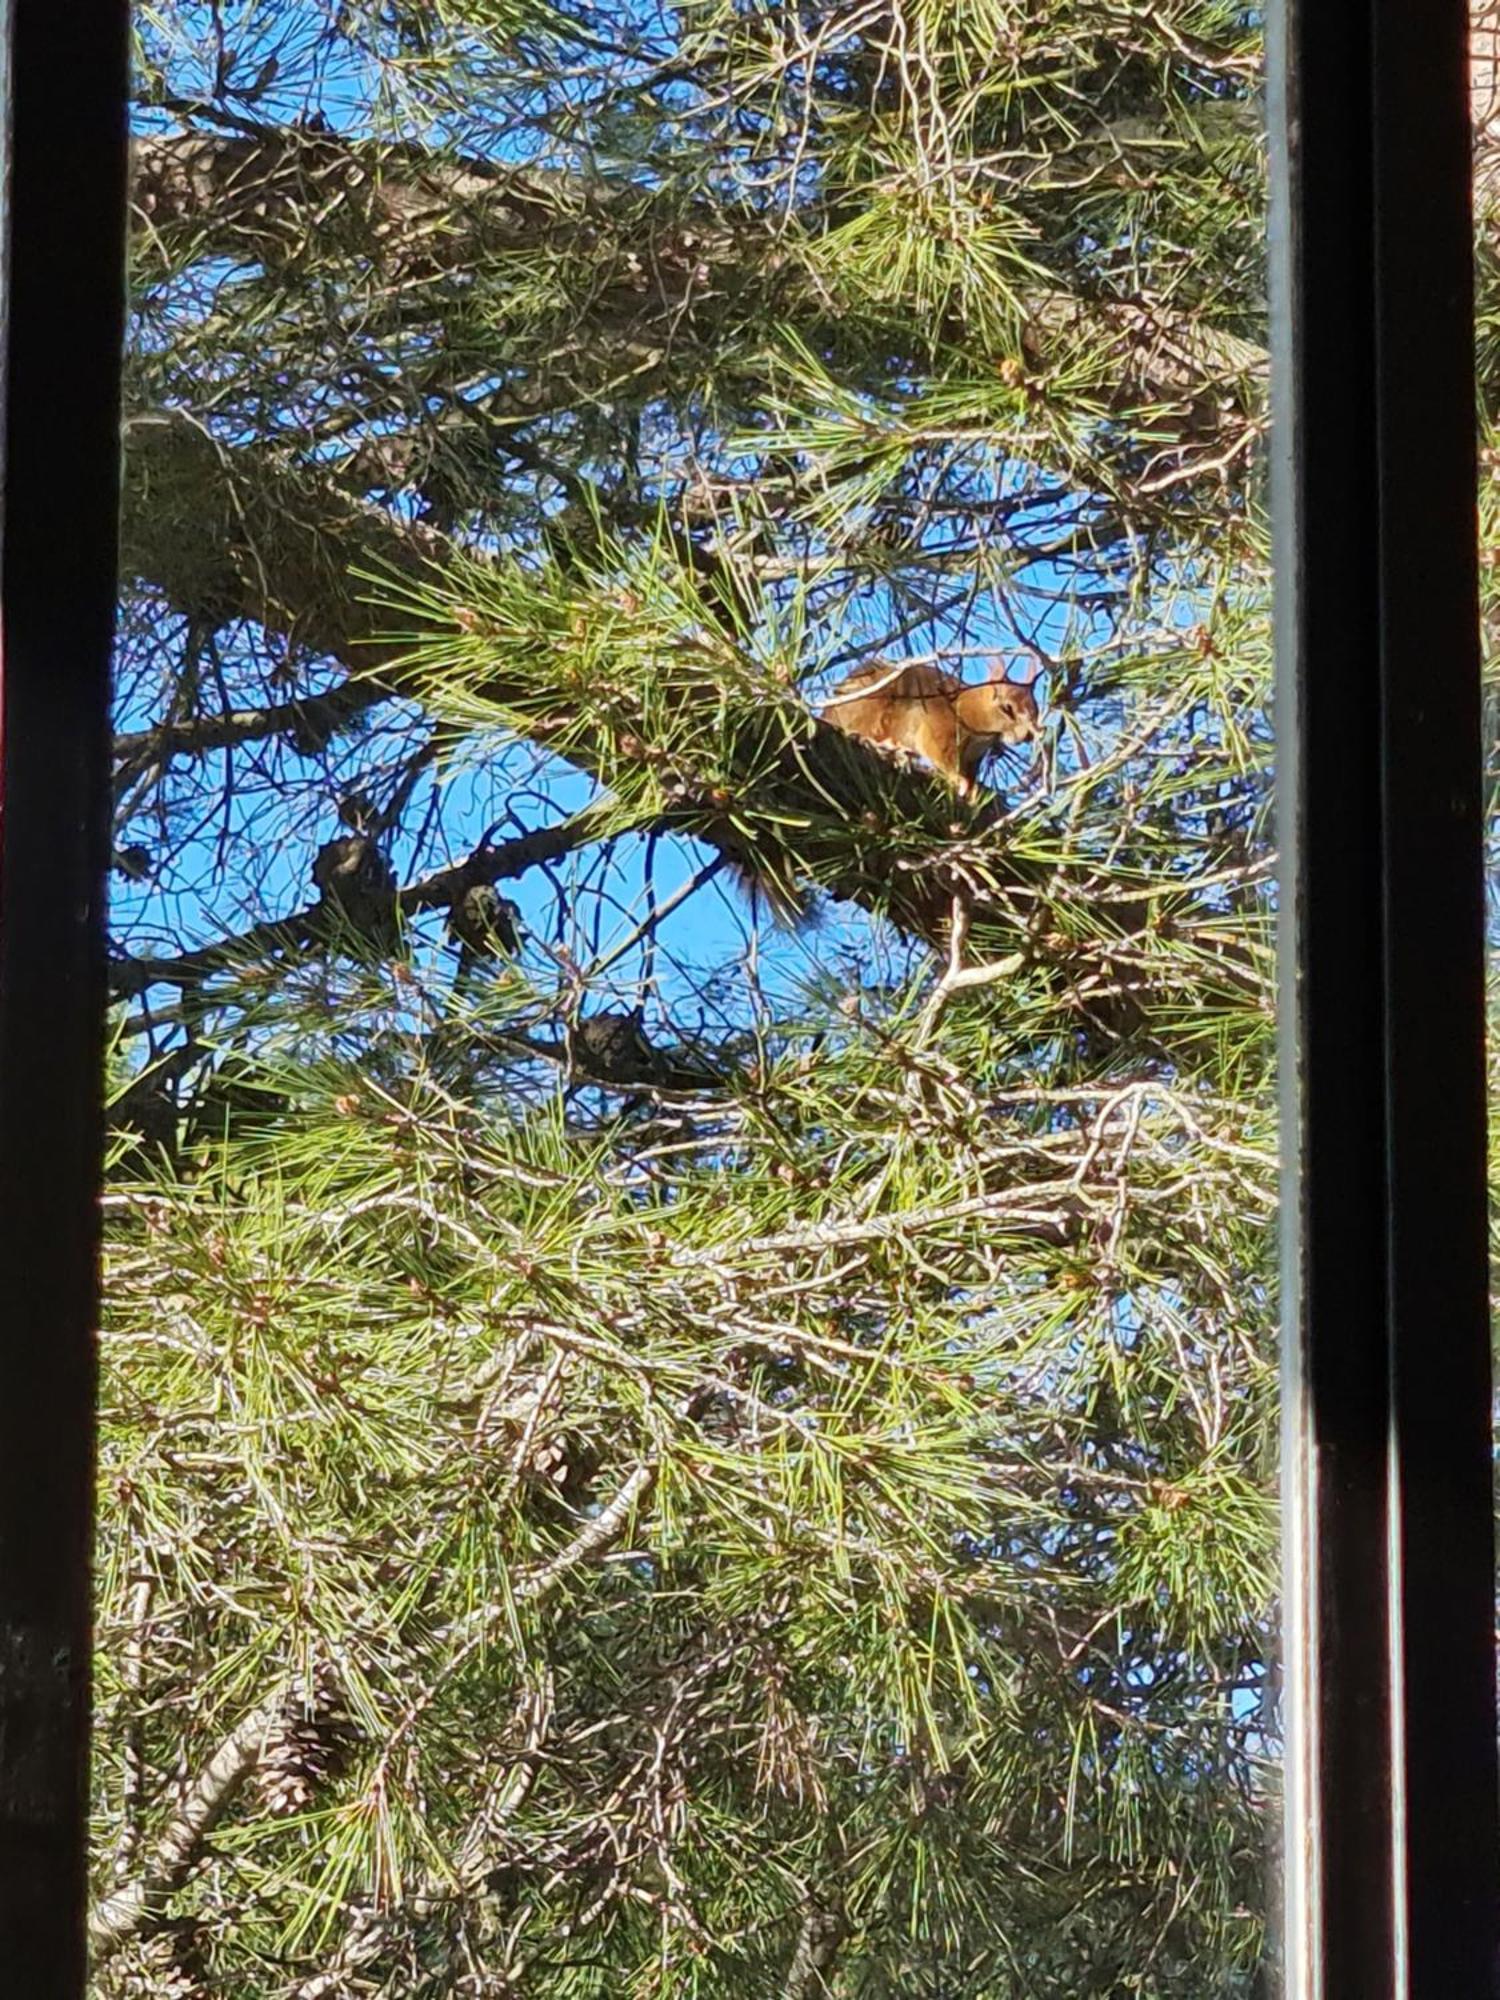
{"x":307,"y":1751}
{"x":562,"y":1462}
{"x":484,"y":921}
{"x":157,"y":1968}
{"x":355,"y":881}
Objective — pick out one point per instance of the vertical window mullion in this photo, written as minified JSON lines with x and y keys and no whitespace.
{"x":1390,"y":1840}
{"x":1443,"y":1586}
{"x":64,"y":137}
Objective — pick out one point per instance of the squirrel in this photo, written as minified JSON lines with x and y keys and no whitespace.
{"x":952,"y":725}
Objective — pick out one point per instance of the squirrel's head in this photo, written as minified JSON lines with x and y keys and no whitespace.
{"x":1006,"y":709}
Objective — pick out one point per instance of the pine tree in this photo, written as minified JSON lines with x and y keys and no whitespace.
{"x":689,"y":1359}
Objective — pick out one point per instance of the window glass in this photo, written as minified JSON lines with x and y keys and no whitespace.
{"x":689,"y":1397}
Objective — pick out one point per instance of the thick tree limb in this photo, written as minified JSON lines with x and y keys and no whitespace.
{"x":128,"y":1910}
{"x":1150,"y":350}
{"x":228,"y":194}
{"x":413,"y":214}
{"x":229,"y":533}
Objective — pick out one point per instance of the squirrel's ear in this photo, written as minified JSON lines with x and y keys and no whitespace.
{"x":1030,"y":671}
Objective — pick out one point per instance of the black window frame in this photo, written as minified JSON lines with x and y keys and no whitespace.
{"x":1391,"y":1841}
{"x":1391,"y":1864}
{"x":62,"y":117}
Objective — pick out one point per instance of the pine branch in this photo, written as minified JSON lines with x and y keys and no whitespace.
{"x":595,"y":1535}
{"x":131,"y":1909}
{"x":230,"y":532}
{"x":309,"y":722}
{"x":314,"y":927}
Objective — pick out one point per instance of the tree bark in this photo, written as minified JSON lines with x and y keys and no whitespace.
{"x":410,"y":214}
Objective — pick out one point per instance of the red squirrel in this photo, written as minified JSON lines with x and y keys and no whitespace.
{"x":922,"y":711}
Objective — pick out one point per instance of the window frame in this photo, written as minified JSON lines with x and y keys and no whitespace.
{"x":62,"y":124}
{"x":1389,"y":1861}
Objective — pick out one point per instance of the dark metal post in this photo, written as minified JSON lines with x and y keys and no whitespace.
{"x":64,"y":124}
{"x":1392,"y":1853}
